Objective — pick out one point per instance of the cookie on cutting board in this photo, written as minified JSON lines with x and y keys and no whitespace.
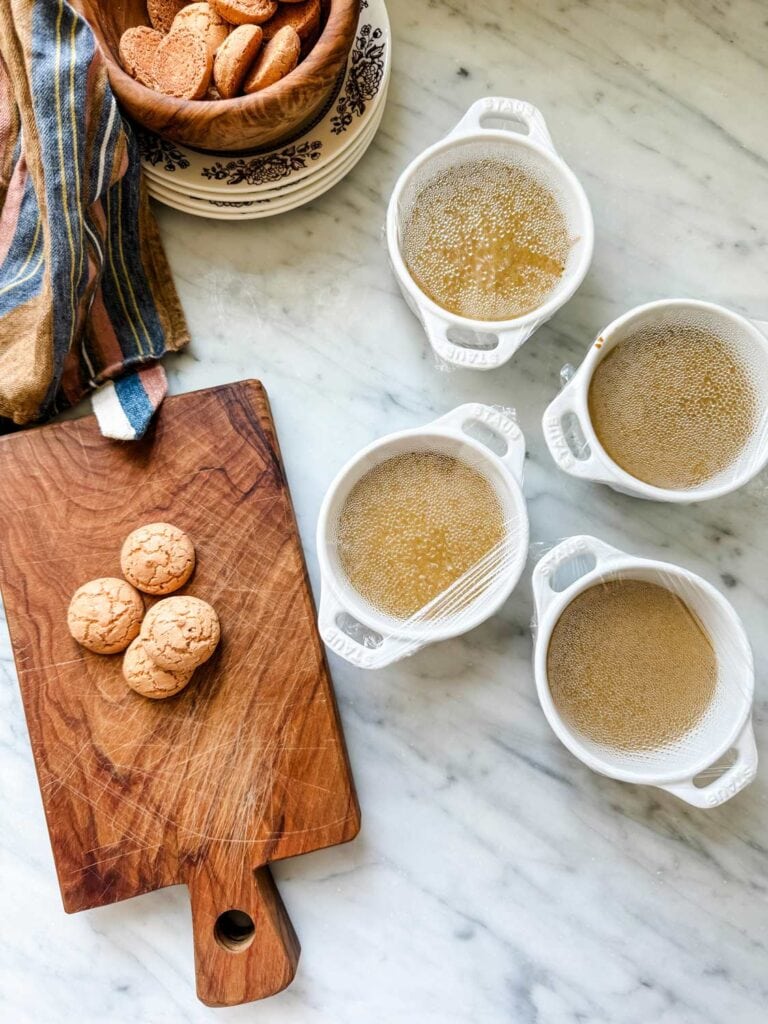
{"x":144,"y":676}
{"x":180,"y":633}
{"x":157,"y":558}
{"x":105,"y":615}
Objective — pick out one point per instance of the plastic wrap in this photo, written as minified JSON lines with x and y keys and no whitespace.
{"x":509,"y":133}
{"x":365,"y":616}
{"x":681,"y":416}
{"x":656,"y":719}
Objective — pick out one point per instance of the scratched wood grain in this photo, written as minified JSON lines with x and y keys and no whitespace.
{"x":245,"y":766}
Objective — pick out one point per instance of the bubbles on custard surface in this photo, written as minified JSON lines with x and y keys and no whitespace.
{"x":630,"y":667}
{"x":675,"y":404}
{"x":485,"y":239}
{"x":412,"y":526}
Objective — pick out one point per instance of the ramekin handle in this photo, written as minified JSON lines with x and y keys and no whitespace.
{"x":566,"y":551}
{"x":508,"y":342}
{"x":354,"y":651}
{"x":731,"y":782}
{"x":498,"y":423}
{"x":528,"y":116}
{"x":590,"y":468}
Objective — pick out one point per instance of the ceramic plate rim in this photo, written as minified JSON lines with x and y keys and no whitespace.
{"x":361,"y":141}
{"x":374,"y":15}
{"x":269,"y":210}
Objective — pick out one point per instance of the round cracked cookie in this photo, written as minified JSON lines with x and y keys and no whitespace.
{"x":276,"y":60}
{"x":157,"y":558}
{"x":105,"y":615}
{"x":180,"y":633}
{"x":147,"y":678}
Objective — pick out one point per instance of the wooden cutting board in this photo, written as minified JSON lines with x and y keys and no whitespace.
{"x":247,"y":765}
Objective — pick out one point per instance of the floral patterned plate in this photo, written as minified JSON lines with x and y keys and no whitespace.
{"x":217,"y":209}
{"x":363,"y":140}
{"x":360,"y":93}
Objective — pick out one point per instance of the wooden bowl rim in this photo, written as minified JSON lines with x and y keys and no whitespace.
{"x":342,"y":19}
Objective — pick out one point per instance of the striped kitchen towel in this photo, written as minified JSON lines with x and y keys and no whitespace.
{"x":86,"y":295}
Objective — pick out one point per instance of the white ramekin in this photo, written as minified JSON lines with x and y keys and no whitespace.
{"x":524,"y":136}
{"x":377,"y":640}
{"x":729,"y":728}
{"x":593,"y":462}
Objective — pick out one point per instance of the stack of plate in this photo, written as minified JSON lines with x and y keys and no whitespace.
{"x":227,"y":186}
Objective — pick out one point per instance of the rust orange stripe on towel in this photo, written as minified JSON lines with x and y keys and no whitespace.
{"x":85,"y":294}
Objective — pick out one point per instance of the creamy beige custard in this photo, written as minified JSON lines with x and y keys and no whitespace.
{"x":673,"y":405}
{"x":412,"y":526}
{"x":630,"y":666}
{"x":485,"y":240}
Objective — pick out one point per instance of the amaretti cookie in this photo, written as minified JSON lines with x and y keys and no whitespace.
{"x":137,"y":52}
{"x":105,"y":615}
{"x":234,"y":57}
{"x":147,"y":678}
{"x":183,"y":65}
{"x":162,"y":12}
{"x":180,"y":633}
{"x":277,"y":59}
{"x":245,"y":12}
{"x":157,"y":558}
{"x":304,"y":17}
{"x":205,"y":21}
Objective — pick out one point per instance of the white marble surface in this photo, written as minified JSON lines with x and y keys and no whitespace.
{"x":495,"y":879}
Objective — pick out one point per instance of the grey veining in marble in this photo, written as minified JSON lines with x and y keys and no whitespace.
{"x":496,"y":879}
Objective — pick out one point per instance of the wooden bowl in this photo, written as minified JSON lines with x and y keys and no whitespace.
{"x":265,"y":118}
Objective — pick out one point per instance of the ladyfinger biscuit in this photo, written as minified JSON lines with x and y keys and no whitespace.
{"x":304,"y":17}
{"x":234,"y":57}
{"x":277,"y":59}
{"x":245,"y":12}
{"x":183,"y":65}
{"x":137,"y":52}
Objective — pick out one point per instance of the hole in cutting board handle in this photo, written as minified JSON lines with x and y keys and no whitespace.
{"x":234,"y":930}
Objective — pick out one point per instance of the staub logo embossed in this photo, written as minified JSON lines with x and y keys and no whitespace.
{"x":557,"y":443}
{"x":566,"y":551}
{"x":736,"y":781}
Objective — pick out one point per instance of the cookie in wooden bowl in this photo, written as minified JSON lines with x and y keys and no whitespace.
{"x":304,"y":17}
{"x":263,"y":118}
{"x":245,"y":12}
{"x":235,"y":57}
{"x":277,"y":59}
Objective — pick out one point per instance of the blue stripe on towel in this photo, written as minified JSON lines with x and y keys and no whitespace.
{"x":59,"y":78}
{"x":136,"y":405}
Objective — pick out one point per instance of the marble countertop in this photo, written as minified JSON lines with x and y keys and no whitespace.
{"x":496,"y":879}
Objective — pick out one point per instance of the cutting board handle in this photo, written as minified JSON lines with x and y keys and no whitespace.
{"x":245,"y":945}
